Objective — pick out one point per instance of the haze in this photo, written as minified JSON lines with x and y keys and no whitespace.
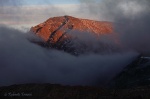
{"x":24,"y":62}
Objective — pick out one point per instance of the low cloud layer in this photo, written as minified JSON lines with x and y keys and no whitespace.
{"x":131,"y":20}
{"x":24,"y":62}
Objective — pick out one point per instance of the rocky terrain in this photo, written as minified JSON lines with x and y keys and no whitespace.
{"x":61,"y":33}
{"x":133,"y":82}
{"x":57,"y":28}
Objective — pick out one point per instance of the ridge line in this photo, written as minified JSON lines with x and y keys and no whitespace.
{"x":54,"y":32}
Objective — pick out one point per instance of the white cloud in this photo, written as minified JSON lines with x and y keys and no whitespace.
{"x":33,"y":14}
{"x":131,"y":8}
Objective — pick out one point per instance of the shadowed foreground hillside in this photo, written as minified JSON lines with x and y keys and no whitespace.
{"x":53,"y":91}
{"x":135,"y":74}
{"x":131,"y":83}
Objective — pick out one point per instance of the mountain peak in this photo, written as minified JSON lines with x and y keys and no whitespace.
{"x":57,"y":27}
{"x":63,"y":33}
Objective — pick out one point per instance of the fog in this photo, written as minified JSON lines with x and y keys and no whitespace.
{"x":131,"y":20}
{"x":24,"y":62}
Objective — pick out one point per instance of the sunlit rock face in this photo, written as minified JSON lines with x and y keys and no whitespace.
{"x":61,"y":33}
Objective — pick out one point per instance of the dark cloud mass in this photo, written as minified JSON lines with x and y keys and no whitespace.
{"x":24,"y":62}
{"x":132,"y":24}
{"x":131,"y":19}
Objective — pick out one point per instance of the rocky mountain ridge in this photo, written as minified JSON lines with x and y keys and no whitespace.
{"x":67,"y":33}
{"x":54,"y":28}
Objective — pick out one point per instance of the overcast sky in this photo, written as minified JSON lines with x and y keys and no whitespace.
{"x":40,"y":2}
{"x":31,"y":12}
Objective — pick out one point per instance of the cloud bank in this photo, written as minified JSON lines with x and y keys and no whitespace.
{"x":131,"y":20}
{"x":24,"y":62}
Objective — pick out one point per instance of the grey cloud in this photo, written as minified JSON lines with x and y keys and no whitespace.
{"x":131,"y":20}
{"x":12,"y":12}
{"x":24,"y":62}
